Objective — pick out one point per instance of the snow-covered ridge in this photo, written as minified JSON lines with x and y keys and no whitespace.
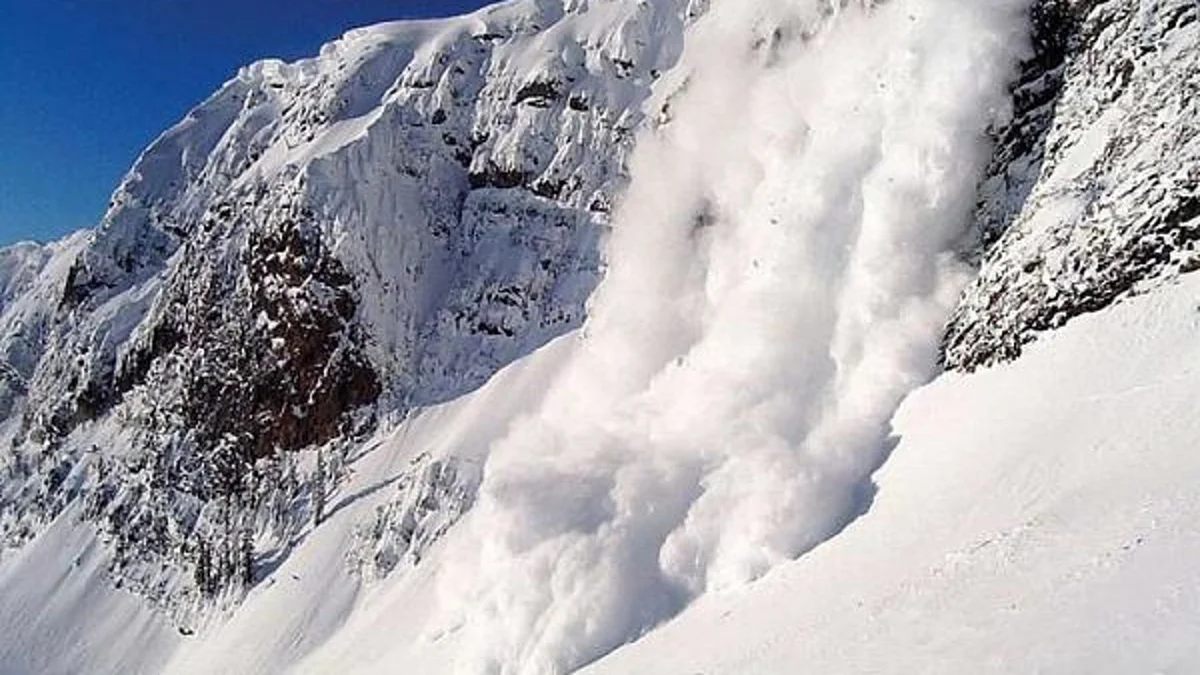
{"x":319,"y":246}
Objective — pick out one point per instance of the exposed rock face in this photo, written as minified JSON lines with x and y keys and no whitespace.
{"x":272,"y":356}
{"x":431,"y":495}
{"x":1095,"y":188}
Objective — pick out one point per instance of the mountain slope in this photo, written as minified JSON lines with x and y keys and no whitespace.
{"x":317,"y":245}
{"x":1040,"y":516}
{"x":491,"y":344}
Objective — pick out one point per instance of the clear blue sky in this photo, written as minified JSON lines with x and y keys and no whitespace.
{"x":86,"y":84}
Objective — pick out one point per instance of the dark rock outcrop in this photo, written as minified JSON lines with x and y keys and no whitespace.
{"x":1092,"y":192}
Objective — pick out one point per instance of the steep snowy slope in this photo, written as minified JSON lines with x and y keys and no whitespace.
{"x":319,"y":394}
{"x":318,"y":246}
{"x":1039,"y":517}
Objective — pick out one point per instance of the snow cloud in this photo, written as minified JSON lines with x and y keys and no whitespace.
{"x":779,"y":273}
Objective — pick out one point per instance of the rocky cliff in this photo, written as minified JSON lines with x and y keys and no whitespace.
{"x":1093,"y":191}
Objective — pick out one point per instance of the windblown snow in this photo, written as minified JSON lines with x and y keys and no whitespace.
{"x":779,"y":273}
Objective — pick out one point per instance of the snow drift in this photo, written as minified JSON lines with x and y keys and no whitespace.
{"x":779,"y":273}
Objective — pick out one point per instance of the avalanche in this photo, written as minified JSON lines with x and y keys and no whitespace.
{"x":779,"y":273}
{"x":771,"y":210}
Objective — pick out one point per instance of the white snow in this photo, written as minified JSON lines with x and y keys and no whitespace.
{"x":60,"y":615}
{"x":1042,"y":516}
{"x":308,"y":598}
{"x":778,"y":279}
{"x":693,"y":478}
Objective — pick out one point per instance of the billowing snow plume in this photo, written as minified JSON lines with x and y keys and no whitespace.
{"x":780,"y":270}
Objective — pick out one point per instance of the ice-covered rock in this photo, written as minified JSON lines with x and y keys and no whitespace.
{"x":1096,"y":188}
